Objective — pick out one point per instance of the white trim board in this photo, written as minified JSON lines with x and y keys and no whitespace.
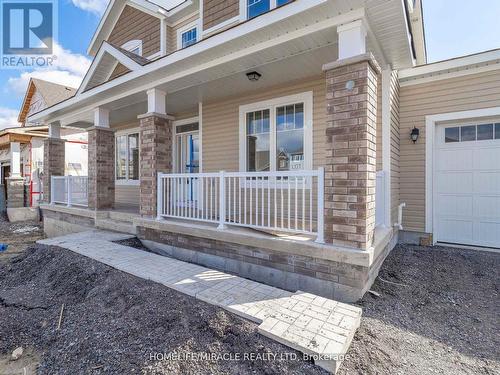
{"x":430,"y":127}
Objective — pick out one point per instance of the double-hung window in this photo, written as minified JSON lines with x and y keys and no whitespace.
{"x":255,"y":8}
{"x":127,"y":157}
{"x":276,"y":135}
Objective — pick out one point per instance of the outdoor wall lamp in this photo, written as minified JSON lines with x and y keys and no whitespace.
{"x":253,"y":76}
{"x":414,"y":134}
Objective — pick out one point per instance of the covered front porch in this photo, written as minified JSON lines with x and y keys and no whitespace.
{"x":268,"y":131}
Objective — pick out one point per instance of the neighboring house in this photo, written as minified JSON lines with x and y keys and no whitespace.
{"x":272,"y":138}
{"x":22,"y":148}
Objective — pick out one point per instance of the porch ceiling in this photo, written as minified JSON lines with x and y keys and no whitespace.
{"x":291,"y":48}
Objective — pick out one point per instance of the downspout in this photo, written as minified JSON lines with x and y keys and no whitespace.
{"x":399,"y":224}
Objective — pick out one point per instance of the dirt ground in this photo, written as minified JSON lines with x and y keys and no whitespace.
{"x":437,"y":313}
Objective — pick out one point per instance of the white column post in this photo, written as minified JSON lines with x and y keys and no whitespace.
{"x":55,"y":130}
{"x":222,"y":201}
{"x":386,"y":143}
{"x":352,"y":39}
{"x":157,"y":101}
{"x":15,"y":159}
{"x":101,"y":117}
{"x":163,"y":37}
{"x":69,"y":189}
{"x":160,"y":191}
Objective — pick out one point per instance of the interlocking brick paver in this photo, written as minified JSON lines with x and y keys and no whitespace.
{"x":303,"y":321}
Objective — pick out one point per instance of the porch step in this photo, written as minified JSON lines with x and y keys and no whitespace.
{"x":122,"y":216}
{"x":116,"y":225}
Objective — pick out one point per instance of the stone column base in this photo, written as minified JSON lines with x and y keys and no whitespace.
{"x":155,"y":156}
{"x":101,"y":146}
{"x":15,"y":192}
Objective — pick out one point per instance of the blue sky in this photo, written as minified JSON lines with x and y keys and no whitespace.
{"x":453,"y":28}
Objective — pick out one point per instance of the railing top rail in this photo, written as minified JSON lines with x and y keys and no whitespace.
{"x":301,"y":173}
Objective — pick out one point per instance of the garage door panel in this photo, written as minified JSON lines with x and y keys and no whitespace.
{"x":486,"y":158}
{"x":466,"y":191}
{"x":486,"y":207}
{"x":455,"y":205}
{"x":453,"y":230}
{"x":455,"y":182}
{"x":487,"y":233}
{"x":455,"y":160}
{"x":487,"y":182}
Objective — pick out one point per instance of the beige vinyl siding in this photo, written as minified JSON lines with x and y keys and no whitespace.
{"x":395,"y":147}
{"x":134,"y":24}
{"x":474,"y":91}
{"x":221,"y":124}
{"x":172,"y":33}
{"x":217,"y":11}
{"x":127,"y":195}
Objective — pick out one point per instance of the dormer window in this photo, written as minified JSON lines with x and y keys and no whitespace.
{"x":134,"y":46}
{"x":187,"y":35}
{"x":255,"y":8}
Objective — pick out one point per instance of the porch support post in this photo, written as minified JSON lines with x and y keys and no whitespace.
{"x":15,"y":183}
{"x":155,"y":150}
{"x":101,"y":162}
{"x":351,"y":151}
{"x":53,"y":158}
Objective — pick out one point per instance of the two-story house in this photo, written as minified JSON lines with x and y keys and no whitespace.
{"x":290,"y":142}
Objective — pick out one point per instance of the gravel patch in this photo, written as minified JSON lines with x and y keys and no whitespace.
{"x":113,"y":322}
{"x":438,"y":313}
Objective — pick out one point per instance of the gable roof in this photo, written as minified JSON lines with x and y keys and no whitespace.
{"x":156,"y":8}
{"x":51,"y":93}
{"x":105,"y":62}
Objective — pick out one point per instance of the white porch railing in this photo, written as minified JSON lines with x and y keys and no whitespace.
{"x":69,"y":190}
{"x":278,"y":201}
{"x":380,"y":199}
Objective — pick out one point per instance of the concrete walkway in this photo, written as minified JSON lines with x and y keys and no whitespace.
{"x":313,"y":325}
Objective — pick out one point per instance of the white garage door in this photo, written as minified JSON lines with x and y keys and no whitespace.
{"x":467,"y":184}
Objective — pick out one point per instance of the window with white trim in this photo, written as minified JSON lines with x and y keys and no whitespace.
{"x":134,"y":46}
{"x":127,"y":156}
{"x":277,"y":135}
{"x":255,"y":8}
{"x":187,"y":35}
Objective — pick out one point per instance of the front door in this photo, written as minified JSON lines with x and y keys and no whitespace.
{"x":188,"y":161}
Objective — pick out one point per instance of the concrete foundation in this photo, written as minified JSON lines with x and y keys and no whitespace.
{"x":23,"y":214}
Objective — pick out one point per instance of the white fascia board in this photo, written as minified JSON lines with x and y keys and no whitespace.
{"x":443,"y":66}
{"x":120,"y":57}
{"x":206,"y":44}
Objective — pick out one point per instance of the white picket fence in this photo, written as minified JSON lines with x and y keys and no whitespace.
{"x":290,"y":201}
{"x":69,"y":190}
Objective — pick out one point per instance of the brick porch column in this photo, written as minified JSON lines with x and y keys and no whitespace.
{"x":155,"y":156}
{"x":101,"y":166}
{"x":350,"y":176}
{"x":53,"y":161}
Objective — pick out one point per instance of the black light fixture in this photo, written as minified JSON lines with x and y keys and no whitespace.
{"x":414,"y":134}
{"x":253,"y":76}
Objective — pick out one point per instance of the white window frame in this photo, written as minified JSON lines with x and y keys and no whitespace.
{"x":127,"y":181}
{"x":181,"y":30}
{"x":244,"y":8}
{"x":132,"y":45}
{"x":271,"y":105}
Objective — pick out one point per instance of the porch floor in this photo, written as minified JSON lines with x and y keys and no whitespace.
{"x":317,"y":326}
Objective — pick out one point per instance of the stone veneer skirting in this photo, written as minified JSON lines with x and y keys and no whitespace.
{"x":340,"y":280}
